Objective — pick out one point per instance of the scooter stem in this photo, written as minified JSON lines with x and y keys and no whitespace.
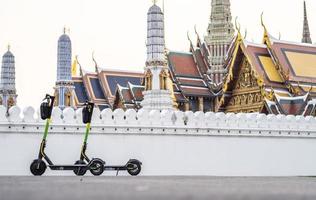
{"x":46,"y":129}
{"x":87,"y":132}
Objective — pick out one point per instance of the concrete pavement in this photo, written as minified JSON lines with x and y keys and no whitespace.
{"x":157,"y":188}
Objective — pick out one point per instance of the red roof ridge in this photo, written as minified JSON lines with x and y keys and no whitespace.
{"x":120,"y":70}
{"x":248,"y":43}
{"x":274,"y":40}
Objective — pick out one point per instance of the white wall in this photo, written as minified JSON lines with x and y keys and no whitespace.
{"x":211,"y":144}
{"x":169,"y":154}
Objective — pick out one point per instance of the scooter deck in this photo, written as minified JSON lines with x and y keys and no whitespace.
{"x":66,"y":167}
{"x":114,"y":168}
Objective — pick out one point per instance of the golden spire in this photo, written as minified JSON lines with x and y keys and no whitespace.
{"x":262,"y":23}
{"x":95,"y":63}
{"x":266,"y":34}
{"x":154,"y":2}
{"x":237,"y":27}
{"x":80,"y":68}
{"x":9,"y":47}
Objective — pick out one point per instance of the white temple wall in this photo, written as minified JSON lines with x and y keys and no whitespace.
{"x":209,"y":144}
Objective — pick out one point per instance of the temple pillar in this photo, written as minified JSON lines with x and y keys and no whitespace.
{"x":201,"y":103}
{"x":186,"y":106}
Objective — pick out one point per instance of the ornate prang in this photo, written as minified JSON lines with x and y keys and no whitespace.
{"x":64,"y":88}
{"x":7,"y":87}
{"x":158,"y":96}
{"x":220,"y":34}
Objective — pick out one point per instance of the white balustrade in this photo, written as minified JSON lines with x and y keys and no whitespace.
{"x":28,"y":115}
{"x":14,"y":115}
{"x":164,"y":121}
{"x":57,"y":115}
{"x":119,"y":115}
{"x":143,"y":117}
{"x":154,"y":118}
{"x":69,"y":116}
{"x":131,"y":117}
{"x":96,"y":116}
{"x":189,"y":118}
{"x":167,"y":118}
{"x":179,"y":118}
{"x":107,"y":117}
{"x":3,"y":114}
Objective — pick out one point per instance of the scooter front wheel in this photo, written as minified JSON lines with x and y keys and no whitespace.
{"x":134,"y":167}
{"x":38,"y":167}
{"x":97,"y":168}
{"x":80,"y":171}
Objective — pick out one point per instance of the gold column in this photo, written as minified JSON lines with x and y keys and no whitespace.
{"x":162,"y":81}
{"x":201,"y":104}
{"x":187,"y":106}
{"x":10,"y":103}
{"x":148,"y":81}
{"x":68,"y":99}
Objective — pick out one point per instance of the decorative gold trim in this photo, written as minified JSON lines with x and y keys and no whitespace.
{"x":283,"y":74}
{"x":148,"y":80}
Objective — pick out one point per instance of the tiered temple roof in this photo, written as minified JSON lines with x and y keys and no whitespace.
{"x":114,"y":88}
{"x":100,"y":87}
{"x":276,"y":77}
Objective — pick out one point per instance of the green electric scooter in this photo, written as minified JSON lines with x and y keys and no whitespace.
{"x":39,"y":165}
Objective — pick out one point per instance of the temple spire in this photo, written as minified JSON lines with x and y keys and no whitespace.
{"x":64,"y":88}
{"x":8,"y":95}
{"x":220,"y":33}
{"x":158,"y":93}
{"x":306,"y":33}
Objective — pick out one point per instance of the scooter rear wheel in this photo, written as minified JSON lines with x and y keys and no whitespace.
{"x":80,"y":171}
{"x":97,"y":168}
{"x":134,"y":167}
{"x":38,"y":167}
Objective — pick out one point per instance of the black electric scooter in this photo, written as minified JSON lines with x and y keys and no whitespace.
{"x":39,"y":166}
{"x":133,"y":166}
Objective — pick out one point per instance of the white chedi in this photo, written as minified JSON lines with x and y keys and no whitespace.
{"x":156,"y":97}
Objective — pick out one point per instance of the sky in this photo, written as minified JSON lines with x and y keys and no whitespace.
{"x":116,"y":32}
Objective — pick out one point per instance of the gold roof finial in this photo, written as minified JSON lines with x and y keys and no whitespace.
{"x":95,"y":63}
{"x":279,"y":35}
{"x":65,"y":29}
{"x":266,"y":34}
{"x":154,"y":2}
{"x":262,"y":23}
{"x":237,"y":25}
{"x":188,"y":36}
{"x":80,"y":68}
{"x":310,"y":89}
{"x":195,"y":29}
{"x":9,"y":46}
